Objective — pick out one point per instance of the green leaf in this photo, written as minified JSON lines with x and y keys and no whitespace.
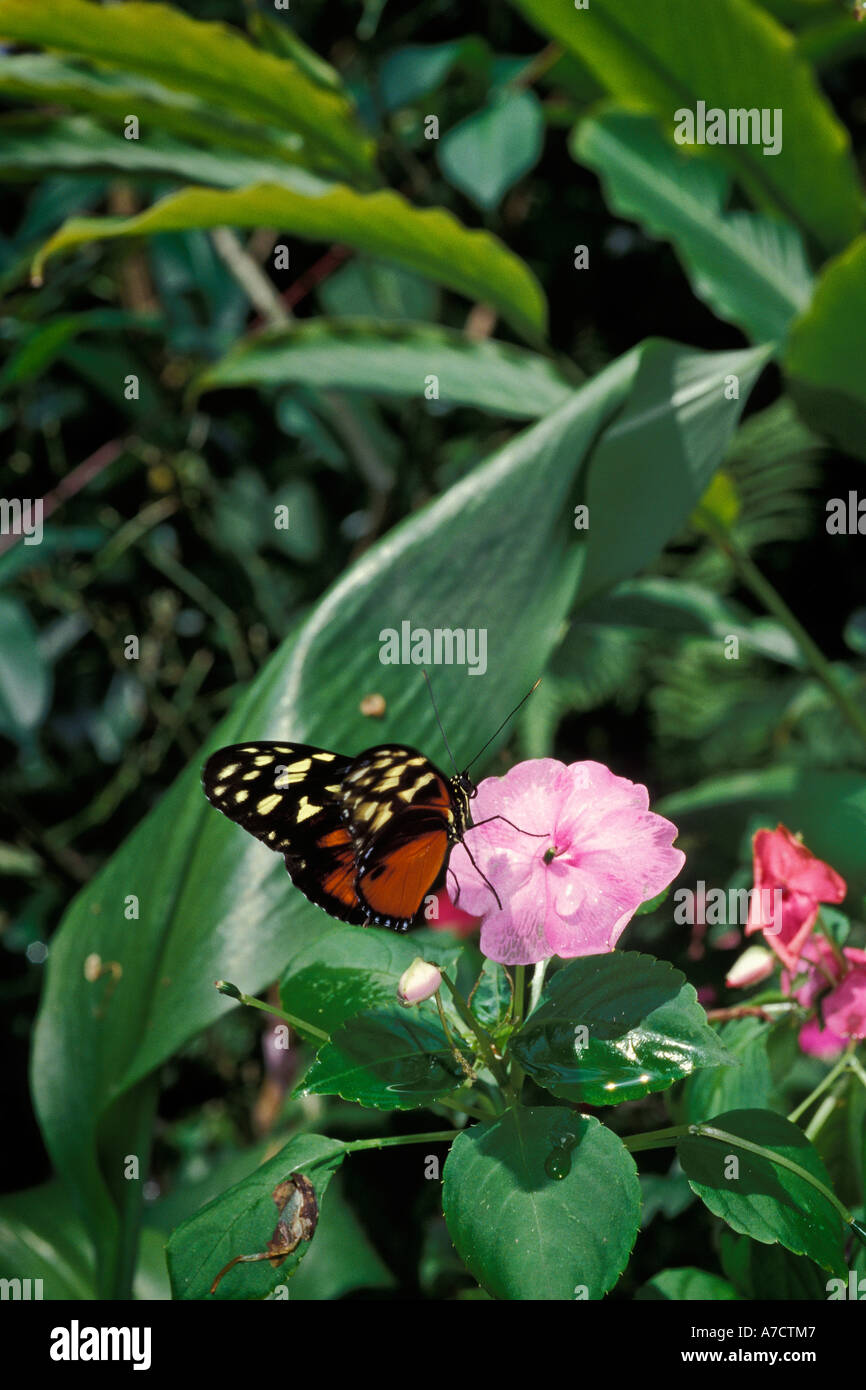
{"x":212,"y":62}
{"x":824,"y":373}
{"x":411,"y":72}
{"x":394,"y":1061}
{"x":50,"y":80}
{"x":488,"y":152}
{"x":750,"y":1085}
{"x":624,"y":538}
{"x":525,"y":1234}
{"x":687,"y":1284}
{"x":25,"y":675}
{"x":828,"y":808}
{"x":769,"y":1271}
{"x":656,"y":57}
{"x":394,"y":359}
{"x":644,"y":1029}
{"x":429,"y":240}
{"x":340,"y":970}
{"x":242,"y":1220}
{"x":42,"y":1237}
{"x":761,"y":1198}
{"x":213,"y":903}
{"x":77,"y":144}
{"x":750,"y":269}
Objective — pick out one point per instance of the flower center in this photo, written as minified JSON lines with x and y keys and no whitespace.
{"x":552,"y":853}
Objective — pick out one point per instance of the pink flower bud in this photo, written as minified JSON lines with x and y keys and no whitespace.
{"x":755,"y":964}
{"x":420,"y":981}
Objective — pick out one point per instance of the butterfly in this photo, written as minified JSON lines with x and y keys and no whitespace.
{"x":366,"y":837}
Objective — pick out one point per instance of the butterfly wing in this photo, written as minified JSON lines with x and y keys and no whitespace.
{"x":289,"y":796}
{"x":401,"y":816}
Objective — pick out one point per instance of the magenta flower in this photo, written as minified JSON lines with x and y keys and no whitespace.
{"x":842,"y":1015}
{"x":594,"y":853}
{"x":783,"y":866}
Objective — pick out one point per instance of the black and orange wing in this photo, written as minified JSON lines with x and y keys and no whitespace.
{"x":401,"y":816}
{"x":289,"y":796}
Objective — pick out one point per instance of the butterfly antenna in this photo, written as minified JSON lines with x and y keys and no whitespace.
{"x":502,"y":725}
{"x":439,"y":721}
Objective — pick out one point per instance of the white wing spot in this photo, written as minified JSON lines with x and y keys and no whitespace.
{"x":250,"y":776}
{"x":267,"y":804}
{"x":263,"y":760}
{"x":306,"y":809}
{"x":230,"y":770}
{"x":303,"y":766}
{"x":242,"y":794}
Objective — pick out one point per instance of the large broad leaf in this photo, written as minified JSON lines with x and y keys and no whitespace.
{"x":241,"y":1221}
{"x":394,"y":1061}
{"x":395,"y":359}
{"x":49,"y":80}
{"x":430,"y":240}
{"x":828,"y":808}
{"x":544,"y":1204}
{"x":751,"y":269}
{"x":214,"y":903}
{"x":655,"y":55}
{"x":485,"y":154}
{"x":615,"y":1027}
{"x":825,"y":372}
{"x":760,"y":1198}
{"x":212,"y":62}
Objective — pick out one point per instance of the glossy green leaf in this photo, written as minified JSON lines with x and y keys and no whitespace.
{"x":751,"y":269}
{"x":213,"y":902}
{"x":655,"y":56}
{"x":430,"y":241}
{"x":827,"y":807}
{"x":615,"y":1027}
{"x":394,"y":1061}
{"x":340,"y":970}
{"x":823,"y":367}
{"x":543,"y":1204}
{"x":25,"y":675}
{"x":395,"y":359}
{"x":488,"y":152}
{"x":43,"y":1238}
{"x":242,"y":1220}
{"x":214,"y":63}
{"x":760,"y":1198}
{"x":686,"y":1285}
{"x":770,"y":1272}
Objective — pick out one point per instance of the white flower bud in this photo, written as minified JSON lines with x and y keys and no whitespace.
{"x":420,"y":981}
{"x":755,"y":964}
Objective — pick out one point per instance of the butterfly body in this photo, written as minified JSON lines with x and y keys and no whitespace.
{"x":366,"y":837}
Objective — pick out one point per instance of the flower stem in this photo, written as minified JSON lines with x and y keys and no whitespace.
{"x":455,"y":1050}
{"x":299,"y":1024}
{"x":537,"y":984}
{"x":822,"y":1085}
{"x":656,"y":1138}
{"x":481,"y":1035}
{"x":781,"y":1161}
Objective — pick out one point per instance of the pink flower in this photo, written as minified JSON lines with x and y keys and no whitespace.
{"x":593,"y":854}
{"x":788,"y":877}
{"x":842,"y":1014}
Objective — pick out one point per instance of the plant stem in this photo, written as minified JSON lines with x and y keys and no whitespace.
{"x":857,"y":1069}
{"x":781,"y":1161}
{"x":821,"y":1116}
{"x":299,"y":1024}
{"x":460,"y":1109}
{"x":482,"y":1037}
{"x":391,"y":1141}
{"x":455,"y":1050}
{"x":822,"y":1085}
{"x":656,"y":1138}
{"x":519,"y":992}
{"x":537,"y":984}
